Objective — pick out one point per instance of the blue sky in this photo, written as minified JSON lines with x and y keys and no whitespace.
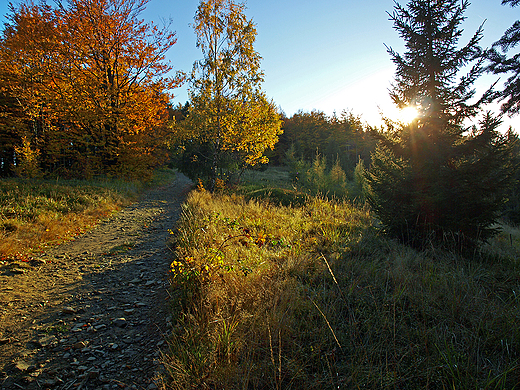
{"x":327,"y":55}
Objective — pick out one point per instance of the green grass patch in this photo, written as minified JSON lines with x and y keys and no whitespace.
{"x":161,"y":176}
{"x":278,"y":177}
{"x":278,"y":196}
{"x":125,"y":247}
{"x":309,"y":296}
{"x":57,"y":329}
{"x":273,"y":184}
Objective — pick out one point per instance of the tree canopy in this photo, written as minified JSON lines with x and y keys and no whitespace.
{"x":231,"y":121}
{"x":86,"y":86}
{"x":501,"y":64}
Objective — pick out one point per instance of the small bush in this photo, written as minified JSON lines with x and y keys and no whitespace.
{"x":28,"y":165}
{"x":316,"y":178}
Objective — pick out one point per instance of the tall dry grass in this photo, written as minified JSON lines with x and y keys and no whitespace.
{"x":270,"y":296}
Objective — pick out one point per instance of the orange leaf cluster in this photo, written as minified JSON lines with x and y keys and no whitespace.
{"x":86,"y":84}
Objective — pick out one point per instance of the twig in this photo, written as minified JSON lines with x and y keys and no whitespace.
{"x":231,"y":238}
{"x":332,"y":273}
{"x":280,"y":356}
{"x":277,"y":375}
{"x":351,"y":315}
{"x":270,"y":343}
{"x":70,"y":384}
{"x":327,"y":321}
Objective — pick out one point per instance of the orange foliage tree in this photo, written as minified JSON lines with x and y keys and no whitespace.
{"x":27,"y":54}
{"x":89,"y":85}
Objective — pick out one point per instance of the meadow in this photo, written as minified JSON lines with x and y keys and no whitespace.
{"x":37,"y":213}
{"x":275,"y":288}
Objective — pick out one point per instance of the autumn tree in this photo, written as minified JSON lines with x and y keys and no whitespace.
{"x":95,"y":75}
{"x":27,"y":57}
{"x":501,"y":64}
{"x":231,"y":121}
{"x":436,"y":181}
{"x":119,"y":79}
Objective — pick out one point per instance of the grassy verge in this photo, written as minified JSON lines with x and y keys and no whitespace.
{"x":273,"y":185}
{"x":308,"y":296}
{"x":37,"y":213}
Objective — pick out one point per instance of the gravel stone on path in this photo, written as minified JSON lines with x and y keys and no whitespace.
{"x":92,"y":312}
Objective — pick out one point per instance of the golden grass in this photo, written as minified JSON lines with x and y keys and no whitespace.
{"x":35,"y":214}
{"x":268,"y":296}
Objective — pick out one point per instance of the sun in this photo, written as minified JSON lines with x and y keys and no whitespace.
{"x":408,"y":114}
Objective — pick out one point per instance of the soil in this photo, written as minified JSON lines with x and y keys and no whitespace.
{"x":92,"y":313}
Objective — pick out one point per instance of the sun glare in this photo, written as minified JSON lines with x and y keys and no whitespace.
{"x":408,"y":114}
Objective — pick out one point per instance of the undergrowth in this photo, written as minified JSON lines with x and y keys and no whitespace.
{"x":309,"y":296}
{"x":318,"y":178}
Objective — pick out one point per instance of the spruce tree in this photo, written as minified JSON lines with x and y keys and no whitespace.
{"x":501,"y":64}
{"x":435,"y":180}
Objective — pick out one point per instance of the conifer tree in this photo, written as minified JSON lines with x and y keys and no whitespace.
{"x":501,"y":64}
{"x":435,"y":180}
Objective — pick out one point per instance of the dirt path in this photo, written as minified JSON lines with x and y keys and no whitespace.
{"x":91,"y":313}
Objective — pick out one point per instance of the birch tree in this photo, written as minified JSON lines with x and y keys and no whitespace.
{"x":229,"y":114}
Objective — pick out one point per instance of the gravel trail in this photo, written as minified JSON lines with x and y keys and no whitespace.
{"x":92,"y":313}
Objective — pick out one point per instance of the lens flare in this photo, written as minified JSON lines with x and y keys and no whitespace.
{"x":408,"y":114}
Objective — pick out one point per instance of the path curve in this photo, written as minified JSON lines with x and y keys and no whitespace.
{"x":92,"y":313}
